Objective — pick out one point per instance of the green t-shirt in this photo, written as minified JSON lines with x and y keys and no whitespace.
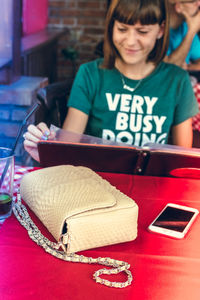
{"x":162,"y":99}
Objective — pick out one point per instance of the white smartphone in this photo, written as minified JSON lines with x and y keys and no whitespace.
{"x":174,"y":220}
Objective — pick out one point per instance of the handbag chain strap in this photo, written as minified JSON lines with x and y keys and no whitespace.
{"x":35,"y":234}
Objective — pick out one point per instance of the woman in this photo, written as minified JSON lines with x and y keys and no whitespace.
{"x":184,"y":45}
{"x":130,"y":96}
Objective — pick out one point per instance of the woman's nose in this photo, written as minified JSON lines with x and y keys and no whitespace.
{"x":132,"y":39}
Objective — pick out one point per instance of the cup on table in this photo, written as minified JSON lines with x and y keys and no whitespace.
{"x":6,"y":182}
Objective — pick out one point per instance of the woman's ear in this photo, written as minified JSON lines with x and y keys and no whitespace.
{"x":161,"y":31}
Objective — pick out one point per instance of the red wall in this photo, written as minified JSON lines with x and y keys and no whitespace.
{"x":35,"y":15}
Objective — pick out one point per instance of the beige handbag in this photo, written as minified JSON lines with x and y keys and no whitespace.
{"x":82,"y":211}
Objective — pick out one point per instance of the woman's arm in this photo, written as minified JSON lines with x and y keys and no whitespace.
{"x":75,"y":120}
{"x":182,"y":134}
{"x":179,"y":55}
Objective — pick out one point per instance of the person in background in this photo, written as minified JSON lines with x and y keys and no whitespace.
{"x":130,"y":95}
{"x":184,"y":45}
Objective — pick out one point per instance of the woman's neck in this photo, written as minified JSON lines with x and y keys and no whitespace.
{"x":136,"y":72}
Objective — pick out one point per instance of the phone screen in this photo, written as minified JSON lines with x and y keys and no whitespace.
{"x":173,"y":218}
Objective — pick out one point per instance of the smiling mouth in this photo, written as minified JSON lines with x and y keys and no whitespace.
{"x":132,"y":51}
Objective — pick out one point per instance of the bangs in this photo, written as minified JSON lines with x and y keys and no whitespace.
{"x":143,"y":11}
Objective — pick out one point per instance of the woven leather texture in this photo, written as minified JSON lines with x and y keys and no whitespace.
{"x":96,"y":213}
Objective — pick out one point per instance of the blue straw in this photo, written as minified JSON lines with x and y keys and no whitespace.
{"x":33,"y":109}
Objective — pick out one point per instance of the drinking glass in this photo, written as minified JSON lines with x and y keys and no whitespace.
{"x":6,"y":182}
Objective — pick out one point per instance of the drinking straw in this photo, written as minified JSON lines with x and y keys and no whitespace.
{"x":32,"y":110}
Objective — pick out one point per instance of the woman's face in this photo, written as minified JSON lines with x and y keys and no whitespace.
{"x":191,"y":6}
{"x":135,"y":42}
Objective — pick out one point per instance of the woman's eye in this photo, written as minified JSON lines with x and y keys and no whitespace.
{"x":142,"y":31}
{"x":122,"y":29}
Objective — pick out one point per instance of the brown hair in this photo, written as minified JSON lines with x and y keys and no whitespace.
{"x":147,"y":12}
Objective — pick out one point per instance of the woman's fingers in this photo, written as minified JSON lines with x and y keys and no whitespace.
{"x":38,"y":132}
{"x":43,"y":128}
{"x":30,"y":137}
{"x":29,"y":144}
{"x":35,"y":131}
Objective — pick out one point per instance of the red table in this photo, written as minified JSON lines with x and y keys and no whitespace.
{"x":163,"y":268}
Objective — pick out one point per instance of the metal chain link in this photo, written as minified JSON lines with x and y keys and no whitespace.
{"x":35,"y":234}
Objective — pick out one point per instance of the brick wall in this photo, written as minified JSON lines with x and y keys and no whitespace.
{"x":85,"y":20}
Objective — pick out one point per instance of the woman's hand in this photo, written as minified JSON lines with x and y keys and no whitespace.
{"x":33,"y":135}
{"x":192,"y":18}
